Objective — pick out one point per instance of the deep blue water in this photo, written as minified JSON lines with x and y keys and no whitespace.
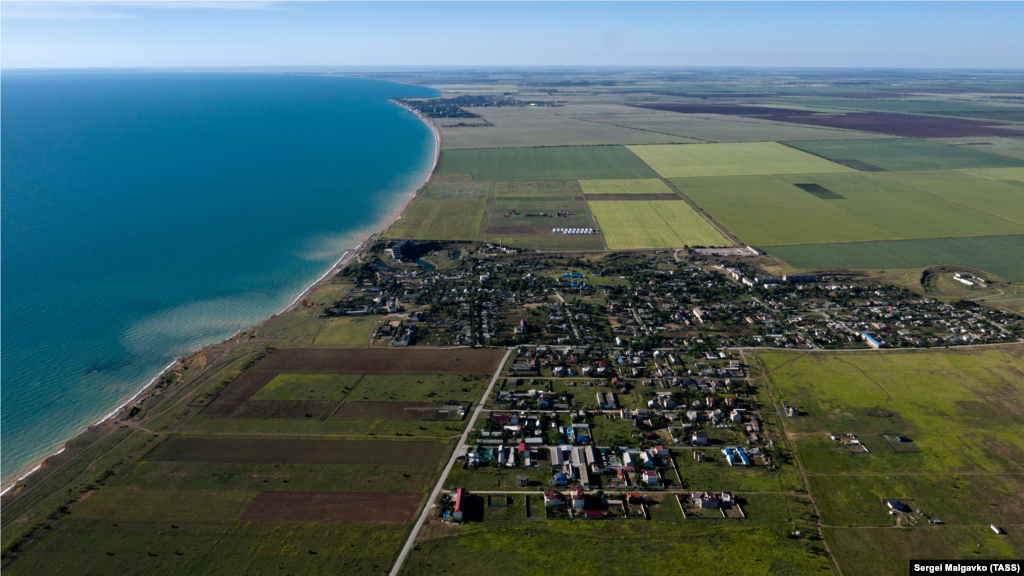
{"x":147,"y":214}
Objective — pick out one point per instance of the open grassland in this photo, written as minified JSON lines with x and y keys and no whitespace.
{"x":541,"y":126}
{"x":420,"y":388}
{"x":716,"y":474}
{"x":541,"y":188}
{"x":129,"y":505}
{"x":659,"y":546}
{"x":547,"y":241}
{"x":323,"y":425}
{"x":293,"y":451}
{"x":380,"y":361}
{"x":999,"y":255}
{"x":963,"y":410}
{"x":308,"y":387}
{"x":439,"y":220}
{"x":906,"y":154}
{"x":762,"y":210}
{"x":653,"y":224}
{"x":454,"y":191}
{"x":332,"y":507}
{"x":568,"y":163}
{"x":719,"y":128}
{"x":82,"y":546}
{"x":351,"y":331}
{"x":887,"y":551}
{"x":647,"y":186}
{"x":1009,"y":147}
{"x":186,"y":477}
{"x":696,"y":160}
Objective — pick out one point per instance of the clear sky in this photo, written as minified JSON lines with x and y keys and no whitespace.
{"x":812,"y":34}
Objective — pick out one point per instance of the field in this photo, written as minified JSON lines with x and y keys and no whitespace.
{"x":308,"y":387}
{"x":1009,"y":147}
{"x":380,"y":361}
{"x":420,"y":388}
{"x":648,"y":187}
{"x":293,"y":451}
{"x":906,"y":154}
{"x":537,"y":188}
{"x":695,"y":160}
{"x":653,"y":224}
{"x":351,"y":331}
{"x":999,"y":255}
{"x":568,"y":163}
{"x":439,"y":220}
{"x":720,"y":128}
{"x":760,"y":210}
{"x":333,"y":507}
{"x":994,"y":193}
{"x":454,"y":191}
{"x":908,"y":126}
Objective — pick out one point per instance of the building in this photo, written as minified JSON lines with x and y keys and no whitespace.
{"x":553,"y":498}
{"x":708,"y":501}
{"x":578,"y":500}
{"x":700,"y":437}
{"x":460,"y":504}
{"x":800,"y":278}
{"x":522,"y":480}
{"x":650,"y":477}
{"x":871,"y":340}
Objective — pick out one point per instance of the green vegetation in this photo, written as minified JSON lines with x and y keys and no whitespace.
{"x":993,"y":196}
{"x":763,"y":210}
{"x":905,"y":154}
{"x":871,"y":552}
{"x":696,"y":160}
{"x":1009,"y":147}
{"x":354,"y":331}
{"x":164,"y":505}
{"x":424,"y":388}
{"x":307,"y":387}
{"x":586,"y":162}
{"x":649,"y":186}
{"x":998,"y":255}
{"x":439,"y":220}
{"x":454,"y":191}
{"x":653,"y":224}
{"x":553,"y":188}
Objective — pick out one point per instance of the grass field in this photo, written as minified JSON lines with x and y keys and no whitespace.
{"x":308,"y":387}
{"x":421,"y":388}
{"x":521,"y":189}
{"x":962,"y":409}
{"x":695,"y":160}
{"x":761,"y":210}
{"x":293,"y":451}
{"x":718,"y":128}
{"x":352,"y":331}
{"x":653,"y":224}
{"x":991,"y":195}
{"x":648,"y":186}
{"x":131,"y":505}
{"x":567,"y":163}
{"x":439,"y":220}
{"x":454,"y":191}
{"x":906,"y":154}
{"x":1009,"y":147}
{"x":999,"y":255}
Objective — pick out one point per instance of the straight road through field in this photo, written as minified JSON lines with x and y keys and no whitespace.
{"x":447,"y":469}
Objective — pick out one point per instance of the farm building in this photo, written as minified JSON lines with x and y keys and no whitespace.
{"x":460,"y":504}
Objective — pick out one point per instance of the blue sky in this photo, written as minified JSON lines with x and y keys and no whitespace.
{"x":811,"y":34}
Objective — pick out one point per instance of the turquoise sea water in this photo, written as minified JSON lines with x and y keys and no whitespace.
{"x":147,"y":214}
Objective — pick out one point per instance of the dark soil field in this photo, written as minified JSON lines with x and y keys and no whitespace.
{"x":380,"y":361}
{"x":600,"y":197}
{"x":727,"y":110}
{"x":237,"y":392}
{"x":333,"y":507}
{"x":904,"y":125}
{"x":388,"y":411}
{"x":279,"y":451}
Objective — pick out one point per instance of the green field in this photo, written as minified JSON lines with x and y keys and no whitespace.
{"x":566,"y":163}
{"x":906,"y":154}
{"x":439,"y":220}
{"x":1009,"y":147}
{"x":719,"y":128}
{"x":996,"y":197}
{"x":999,"y":255}
{"x":538,"y":188}
{"x":347,"y":332}
{"x":696,"y":160}
{"x":648,"y":186}
{"x":308,"y":387}
{"x":765,"y":210}
{"x":424,"y":388}
{"x":454,"y":191}
{"x":653,"y":224}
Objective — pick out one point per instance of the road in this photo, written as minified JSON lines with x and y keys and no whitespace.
{"x":447,"y":469}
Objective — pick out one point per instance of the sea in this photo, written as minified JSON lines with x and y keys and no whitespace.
{"x":144,"y":215}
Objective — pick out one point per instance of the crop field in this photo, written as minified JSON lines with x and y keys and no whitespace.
{"x":308,"y":387}
{"x":908,"y":126}
{"x":236,"y":393}
{"x":650,"y":186}
{"x":375,"y":410}
{"x":346,"y":331}
{"x":82,"y":546}
{"x":1009,"y":147}
{"x":760,"y":210}
{"x":538,"y":126}
{"x":566,"y":163}
{"x":327,"y":507}
{"x":721,"y":128}
{"x":454,"y":191}
{"x":906,"y":154}
{"x":999,"y":255}
{"x":290,"y":451}
{"x":420,"y":388}
{"x":542,"y":239}
{"x":654,"y":224}
{"x":553,"y":188}
{"x":439,"y":220}
{"x":380,"y":361}
{"x":961,"y":408}
{"x":185,"y":477}
{"x":286,"y":409}
{"x":129,"y":505}
{"x":696,"y":160}
{"x":990,"y":195}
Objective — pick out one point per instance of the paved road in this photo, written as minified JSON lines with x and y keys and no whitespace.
{"x":428,"y":507}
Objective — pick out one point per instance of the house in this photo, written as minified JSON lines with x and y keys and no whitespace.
{"x":897,"y":506}
{"x":578,"y":499}
{"x":595,"y":514}
{"x":691,"y":415}
{"x":660,"y":451}
{"x":650,"y":477}
{"x":727,"y":499}
{"x":699,"y":437}
{"x":635,"y":498}
{"x":709,"y":501}
{"x":553,"y":498}
{"x":460,"y":504}
{"x":561,"y":479}
{"x":522,"y":480}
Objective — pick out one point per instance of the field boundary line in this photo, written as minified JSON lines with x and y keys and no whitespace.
{"x":704,"y":214}
{"x":447,"y":469}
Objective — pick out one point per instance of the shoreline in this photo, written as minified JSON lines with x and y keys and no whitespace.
{"x":346,"y":258}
